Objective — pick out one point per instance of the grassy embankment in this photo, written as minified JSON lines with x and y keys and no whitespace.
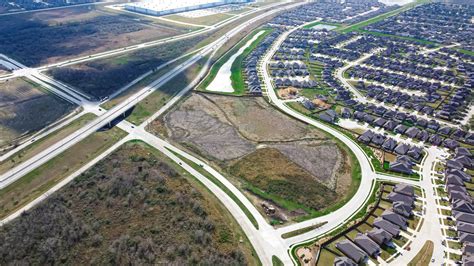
{"x":40,"y":180}
{"x":238,"y":83}
{"x":302,"y":230}
{"x":41,"y":144}
{"x":276,"y":261}
{"x":161,"y":96}
{"x":375,"y":186}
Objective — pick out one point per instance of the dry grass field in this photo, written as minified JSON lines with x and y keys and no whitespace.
{"x":262,"y":151}
{"x":25,"y":108}
{"x":102,"y":77}
{"x":145,"y":212}
{"x":72,"y":32}
{"x":204,"y":20}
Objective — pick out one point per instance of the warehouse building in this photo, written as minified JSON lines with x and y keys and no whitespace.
{"x":167,"y":7}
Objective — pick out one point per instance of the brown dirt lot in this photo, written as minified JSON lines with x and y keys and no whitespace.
{"x":26,"y":108}
{"x":264,"y":149}
{"x":73,"y":32}
{"x":134,"y":207}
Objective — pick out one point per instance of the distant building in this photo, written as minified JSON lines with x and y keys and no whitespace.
{"x":167,"y":7}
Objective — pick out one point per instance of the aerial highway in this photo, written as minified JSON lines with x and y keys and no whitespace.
{"x":107,"y":117}
{"x":266,"y":236}
{"x":266,"y":239}
{"x":152,"y":43}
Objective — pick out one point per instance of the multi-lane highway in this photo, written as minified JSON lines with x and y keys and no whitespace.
{"x":266,"y":240}
{"x":127,"y":49}
{"x":107,"y":117}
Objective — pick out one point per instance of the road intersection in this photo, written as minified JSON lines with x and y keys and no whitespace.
{"x":266,"y":240}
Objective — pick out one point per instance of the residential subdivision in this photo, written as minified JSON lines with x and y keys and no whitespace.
{"x":262,"y":132}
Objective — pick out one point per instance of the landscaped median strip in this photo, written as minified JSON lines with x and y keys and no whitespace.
{"x":220,"y":185}
{"x":276,"y":261}
{"x":302,"y":230}
{"x":423,"y":257}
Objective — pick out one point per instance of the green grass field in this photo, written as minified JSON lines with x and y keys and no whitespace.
{"x":309,"y":26}
{"x":276,"y":261}
{"x":362,"y":24}
{"x":41,"y":144}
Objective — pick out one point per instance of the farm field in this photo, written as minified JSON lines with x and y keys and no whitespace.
{"x":73,"y":32}
{"x":26,"y":108}
{"x":147,"y":212}
{"x":244,"y":138}
{"x":49,"y":174}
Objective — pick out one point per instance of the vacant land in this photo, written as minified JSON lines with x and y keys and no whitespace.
{"x":164,"y":93}
{"x":26,"y":108}
{"x":268,"y":172}
{"x":133,"y":207}
{"x":204,"y":20}
{"x":263,"y":151}
{"x":105,"y":76}
{"x":46,"y":176}
{"x":61,"y":34}
{"x":100,"y":78}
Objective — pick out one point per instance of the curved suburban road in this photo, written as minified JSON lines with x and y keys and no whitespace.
{"x":338,"y":217}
